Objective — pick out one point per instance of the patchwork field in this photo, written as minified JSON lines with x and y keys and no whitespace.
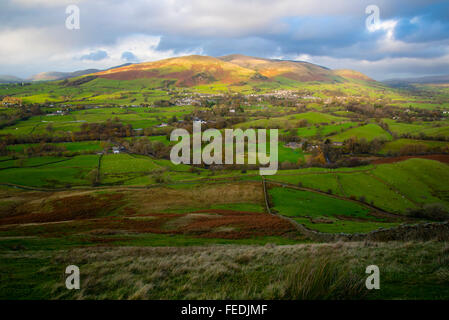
{"x":85,"y":179}
{"x":161,"y":216}
{"x":391,"y":187}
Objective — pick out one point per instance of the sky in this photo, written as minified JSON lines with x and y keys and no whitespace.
{"x":410,"y":38}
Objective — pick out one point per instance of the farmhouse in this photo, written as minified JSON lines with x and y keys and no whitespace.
{"x":198,"y":121}
{"x":212,"y":152}
{"x":118,"y":149}
{"x":294,"y":145}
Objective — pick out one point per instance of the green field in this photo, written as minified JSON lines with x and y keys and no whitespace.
{"x":432,"y":129}
{"x":55,"y":173}
{"x":324,"y":130}
{"x":84,"y":146}
{"x":324,"y":213}
{"x":369,"y":132}
{"x":291,"y":121}
{"x":396,"y":146}
{"x":392,"y":187}
{"x":139,"y":118}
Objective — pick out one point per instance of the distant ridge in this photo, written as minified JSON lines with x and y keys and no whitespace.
{"x":4,"y":78}
{"x":54,"y":75}
{"x":420,"y":80}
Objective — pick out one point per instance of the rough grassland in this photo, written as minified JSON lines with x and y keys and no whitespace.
{"x":309,"y":271}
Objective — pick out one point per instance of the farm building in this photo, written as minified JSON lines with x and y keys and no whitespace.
{"x":294,"y":145}
{"x":118,"y":150}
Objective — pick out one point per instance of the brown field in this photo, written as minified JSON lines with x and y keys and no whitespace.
{"x":223,"y":224}
{"x":156,"y":200}
{"x":144,"y":211}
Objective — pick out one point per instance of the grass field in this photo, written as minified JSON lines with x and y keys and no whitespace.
{"x":138,"y":117}
{"x":291,"y":120}
{"x":397,"y":145}
{"x":432,"y":129}
{"x":324,"y":130}
{"x":325,"y":213}
{"x":369,"y":132}
{"x":99,"y":91}
{"x":84,"y":146}
{"x":52,"y":173}
{"x":391,"y":187}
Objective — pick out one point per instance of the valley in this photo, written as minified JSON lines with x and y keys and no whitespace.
{"x":86,"y":178}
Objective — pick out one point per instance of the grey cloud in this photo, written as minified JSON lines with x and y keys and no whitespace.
{"x":95,"y":56}
{"x":129,"y":56}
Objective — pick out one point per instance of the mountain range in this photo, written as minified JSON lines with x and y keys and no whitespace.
{"x":235,"y":69}
{"x":52,"y":75}
{"x":420,"y":80}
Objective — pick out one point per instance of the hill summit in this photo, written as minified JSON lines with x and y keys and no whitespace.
{"x":234,"y":69}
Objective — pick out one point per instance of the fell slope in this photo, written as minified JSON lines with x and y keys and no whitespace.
{"x":184,"y":71}
{"x":196,"y":70}
{"x":295,"y":70}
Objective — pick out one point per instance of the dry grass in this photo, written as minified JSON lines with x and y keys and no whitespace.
{"x":156,"y":200}
{"x":67,"y":208}
{"x":315,"y":271}
{"x":144,"y":211}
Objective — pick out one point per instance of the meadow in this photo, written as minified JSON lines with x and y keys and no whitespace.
{"x":398,"y":145}
{"x":369,"y":132}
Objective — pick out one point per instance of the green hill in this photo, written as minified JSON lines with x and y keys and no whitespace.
{"x":195,"y":70}
{"x":149,"y":81}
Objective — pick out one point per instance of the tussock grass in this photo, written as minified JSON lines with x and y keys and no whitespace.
{"x":413,"y":270}
{"x":323,"y":278}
